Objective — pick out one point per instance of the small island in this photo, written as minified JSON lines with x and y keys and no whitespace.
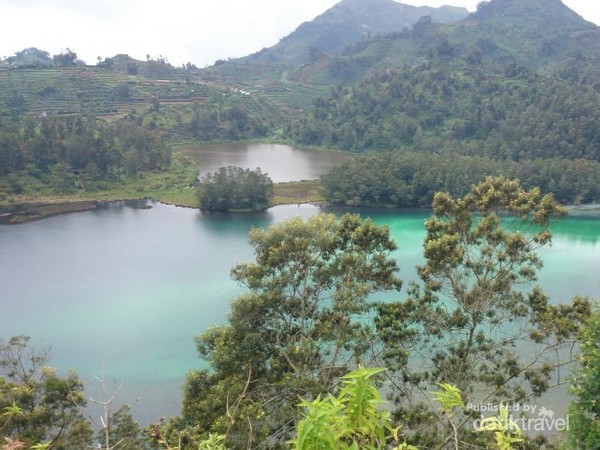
{"x":233,"y":188}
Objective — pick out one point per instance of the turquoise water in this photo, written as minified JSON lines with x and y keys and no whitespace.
{"x":126,"y":289}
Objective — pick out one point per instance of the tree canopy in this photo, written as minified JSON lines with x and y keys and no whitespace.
{"x":584,"y":413}
{"x":39,"y":406}
{"x":475,"y":311}
{"x":85,"y":145}
{"x":234,"y":188}
{"x":302,"y":324}
{"x":402,"y":179}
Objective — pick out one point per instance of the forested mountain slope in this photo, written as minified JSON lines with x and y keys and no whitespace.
{"x":348,"y":22}
{"x":543,"y":36}
{"x":513,"y":89}
{"x":508,"y":115}
{"x":498,"y":84}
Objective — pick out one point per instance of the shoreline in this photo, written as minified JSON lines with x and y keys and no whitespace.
{"x":291,"y":192}
{"x":29,"y":212}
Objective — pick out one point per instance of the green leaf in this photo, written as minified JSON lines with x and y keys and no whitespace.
{"x":449,"y":397}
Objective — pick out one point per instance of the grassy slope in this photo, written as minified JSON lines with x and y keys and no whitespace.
{"x":298,"y":192}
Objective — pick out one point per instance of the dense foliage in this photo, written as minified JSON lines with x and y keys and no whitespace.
{"x":410,"y":179}
{"x":39,"y":406}
{"x":354,"y":419}
{"x":476,"y":309}
{"x":543,"y":36}
{"x":77,"y":150}
{"x":234,"y":188}
{"x":584,"y":413}
{"x":299,"y":328}
{"x":232,"y":121}
{"x":460,"y":125}
{"x":444,"y":108}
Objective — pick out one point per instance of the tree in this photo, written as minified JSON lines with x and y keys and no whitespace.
{"x":40,"y":406}
{"x":122,"y":92}
{"x":584,"y":412}
{"x":471,"y":321}
{"x":31,"y":56}
{"x":66,"y":59}
{"x":235,"y":188}
{"x":116,"y":430}
{"x":120,"y":431}
{"x":303,"y":324}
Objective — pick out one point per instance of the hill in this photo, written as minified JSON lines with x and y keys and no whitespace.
{"x":503,"y":37}
{"x":346,"y":23}
{"x":543,"y":36}
{"x":435,"y":77}
{"x":175,"y":100}
{"x":275,"y":73}
{"x":438,"y":107}
{"x":513,"y":89}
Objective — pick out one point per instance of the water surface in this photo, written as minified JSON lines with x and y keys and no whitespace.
{"x":127,"y":289}
{"x":282,"y":162}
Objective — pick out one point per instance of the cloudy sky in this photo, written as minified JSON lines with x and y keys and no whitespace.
{"x":196,"y":31}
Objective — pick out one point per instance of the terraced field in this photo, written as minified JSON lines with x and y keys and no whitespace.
{"x":85,"y":90}
{"x":267,"y":96}
{"x":275,"y":86}
{"x":295,"y":97}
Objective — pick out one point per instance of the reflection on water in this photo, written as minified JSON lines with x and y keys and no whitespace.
{"x":128,"y":288}
{"x":282,"y":162}
{"x":578,"y":228}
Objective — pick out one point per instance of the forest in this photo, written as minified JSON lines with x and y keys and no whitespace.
{"x":518,"y":124}
{"x":76,"y":151}
{"x":402,"y":179}
{"x":453,"y":106}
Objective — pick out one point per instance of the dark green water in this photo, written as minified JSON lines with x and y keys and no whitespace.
{"x":127,"y":289}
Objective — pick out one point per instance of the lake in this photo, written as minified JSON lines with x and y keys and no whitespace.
{"x":126,"y":289}
{"x":281,"y":162}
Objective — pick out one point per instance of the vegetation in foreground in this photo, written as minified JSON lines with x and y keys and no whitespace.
{"x":306,"y":321}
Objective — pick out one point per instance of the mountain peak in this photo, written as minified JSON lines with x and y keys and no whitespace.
{"x":348,"y":22}
{"x":538,"y":12}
